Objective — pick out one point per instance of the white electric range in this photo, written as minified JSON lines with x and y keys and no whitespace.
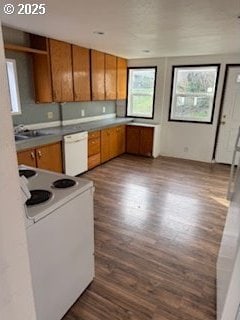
{"x":60,"y":233}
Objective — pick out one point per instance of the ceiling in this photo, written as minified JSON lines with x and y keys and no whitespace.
{"x":165,"y":27}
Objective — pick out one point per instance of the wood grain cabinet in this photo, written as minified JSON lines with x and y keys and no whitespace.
{"x":121,"y":78}
{"x":61,"y":70}
{"x":112,"y":142}
{"x":98,"y":75}
{"x":94,"y":148}
{"x":139,"y":140}
{"x":81,"y":73}
{"x":110,"y":77}
{"x":41,"y":70}
{"x":64,"y":73}
{"x":48,"y":157}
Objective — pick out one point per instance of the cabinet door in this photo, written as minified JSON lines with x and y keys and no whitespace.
{"x":133,"y":139}
{"x":49,"y":157}
{"x":110,"y":77}
{"x":121,"y":78}
{"x":81,"y":73}
{"x":61,"y":68}
{"x":98,"y":71}
{"x":94,"y":161}
{"x":27,"y":157}
{"x":41,"y":70}
{"x":113,"y":142}
{"x":105,"y":145}
{"x":121,"y":139}
{"x":93,"y":146}
{"x":146,"y":141}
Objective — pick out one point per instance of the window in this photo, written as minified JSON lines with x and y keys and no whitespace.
{"x":193,"y":93}
{"x":141,"y":92}
{"x":13,"y":86}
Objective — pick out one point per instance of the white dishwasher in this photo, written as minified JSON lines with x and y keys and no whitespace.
{"x":76,"y":153}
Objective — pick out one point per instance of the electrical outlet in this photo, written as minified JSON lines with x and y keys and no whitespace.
{"x":82,"y":112}
{"x":50,"y":115}
{"x":103,"y":109}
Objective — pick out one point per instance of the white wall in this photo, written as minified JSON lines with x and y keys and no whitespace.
{"x":16,"y":298}
{"x":184,"y":140}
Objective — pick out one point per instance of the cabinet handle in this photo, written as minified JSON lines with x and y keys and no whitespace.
{"x":39,"y":154}
{"x":32,"y":155}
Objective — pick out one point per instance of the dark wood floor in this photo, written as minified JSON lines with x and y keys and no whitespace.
{"x":158,"y":226}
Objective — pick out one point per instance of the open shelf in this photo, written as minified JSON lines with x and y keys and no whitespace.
{"x":15,"y":47}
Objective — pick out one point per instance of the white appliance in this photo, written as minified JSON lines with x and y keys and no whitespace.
{"x":76,"y":153}
{"x":60,"y":240}
{"x":228,"y":264}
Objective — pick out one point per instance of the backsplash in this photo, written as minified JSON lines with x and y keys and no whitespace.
{"x":32,"y":112}
{"x":73,"y":110}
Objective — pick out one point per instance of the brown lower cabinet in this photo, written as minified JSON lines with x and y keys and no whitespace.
{"x":139,"y":140}
{"x":48,"y":157}
{"x":94,"y":147}
{"x":113,"y":142}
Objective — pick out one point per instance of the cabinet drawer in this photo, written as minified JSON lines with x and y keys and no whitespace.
{"x":94,"y":134}
{"x":93,"y":146}
{"x":94,"y":161}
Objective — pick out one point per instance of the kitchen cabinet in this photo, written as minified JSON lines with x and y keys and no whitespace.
{"x":110,"y":77}
{"x":112,"y":142}
{"x":81,"y":73}
{"x":61,"y":70}
{"x":98,"y":75}
{"x":27,"y":157}
{"x":41,"y":70}
{"x":139,"y":140}
{"x":121,"y":78}
{"x":94,"y":148}
{"x":48,"y":157}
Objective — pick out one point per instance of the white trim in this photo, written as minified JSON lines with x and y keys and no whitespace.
{"x":13,"y":87}
{"x":42,"y":125}
{"x":88,"y":119}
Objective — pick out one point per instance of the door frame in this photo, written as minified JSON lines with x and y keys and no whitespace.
{"x":228,"y":66}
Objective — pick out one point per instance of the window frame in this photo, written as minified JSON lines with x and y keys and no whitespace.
{"x":217,"y":65}
{"x":154,"y":91}
{"x":19,"y":112}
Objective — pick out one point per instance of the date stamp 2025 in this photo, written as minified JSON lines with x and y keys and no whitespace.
{"x":25,"y":8}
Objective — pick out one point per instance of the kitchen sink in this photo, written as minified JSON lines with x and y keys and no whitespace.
{"x":30,"y":134}
{"x":19,"y":137}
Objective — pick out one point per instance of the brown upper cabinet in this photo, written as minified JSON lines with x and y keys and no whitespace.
{"x":41,"y":67}
{"x":61,"y":68}
{"x":81,"y":73}
{"x":98,"y":75}
{"x":121,"y":78}
{"x":110,"y":77}
{"x":66,"y":73}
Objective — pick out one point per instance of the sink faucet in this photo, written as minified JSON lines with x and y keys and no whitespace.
{"x":19,"y":128}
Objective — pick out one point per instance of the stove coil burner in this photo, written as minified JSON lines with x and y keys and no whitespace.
{"x":64,"y":183}
{"x":27,"y":173}
{"x":38,"y":196}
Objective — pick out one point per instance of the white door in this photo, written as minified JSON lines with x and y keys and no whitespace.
{"x":230,"y":120}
